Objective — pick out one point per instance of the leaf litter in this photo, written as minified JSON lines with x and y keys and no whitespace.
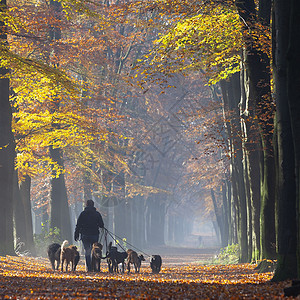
{"x":33,"y":278}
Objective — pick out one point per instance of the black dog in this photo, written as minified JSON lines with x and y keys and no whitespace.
{"x":114,"y":258}
{"x":54,"y":255}
{"x":155,"y":263}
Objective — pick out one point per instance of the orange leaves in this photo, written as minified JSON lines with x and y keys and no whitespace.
{"x":29,"y":277}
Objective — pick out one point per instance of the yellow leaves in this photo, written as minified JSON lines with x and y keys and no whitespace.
{"x":210,"y":41}
{"x":33,"y":278}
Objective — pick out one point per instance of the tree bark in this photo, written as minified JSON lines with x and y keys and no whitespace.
{"x":287,"y":226}
{"x":231,"y":91}
{"x":22,"y":215}
{"x":25,"y":196}
{"x":19,"y":212}
{"x":219,"y":218}
{"x":293,"y":90}
{"x":7,"y":155}
{"x":60,"y":214}
{"x":259,"y":98}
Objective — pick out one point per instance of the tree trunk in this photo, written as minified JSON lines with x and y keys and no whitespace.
{"x":259,"y":99}
{"x":19,"y":213}
{"x":226,"y":212}
{"x":219,"y":218}
{"x":25,"y":196}
{"x":7,"y":155}
{"x":293,"y":84}
{"x":231,"y":91}
{"x":287,"y":226}
{"x":60,"y":214}
{"x":251,"y":151}
{"x":23,"y":216}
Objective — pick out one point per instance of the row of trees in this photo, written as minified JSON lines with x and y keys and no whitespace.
{"x":255,"y":66}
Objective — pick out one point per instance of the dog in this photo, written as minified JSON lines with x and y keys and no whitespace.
{"x":155,"y":263}
{"x":54,"y":255}
{"x":70,"y":255}
{"x":114,"y":258}
{"x":96,"y":255}
{"x":135,"y":259}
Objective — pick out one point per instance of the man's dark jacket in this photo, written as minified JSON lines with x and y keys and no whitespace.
{"x":89,"y":222}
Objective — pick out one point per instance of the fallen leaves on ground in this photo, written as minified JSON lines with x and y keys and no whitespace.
{"x":32,"y":278}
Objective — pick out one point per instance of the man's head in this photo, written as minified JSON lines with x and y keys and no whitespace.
{"x":89,"y":203}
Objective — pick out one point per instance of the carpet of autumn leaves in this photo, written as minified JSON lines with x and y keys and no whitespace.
{"x":32,"y":278}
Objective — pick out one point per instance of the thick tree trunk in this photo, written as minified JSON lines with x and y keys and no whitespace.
{"x":231,"y":91}
{"x":23,"y":216}
{"x":19,"y":212}
{"x":251,"y":150}
{"x":60,"y":214}
{"x":293,"y":84}
{"x":7,"y":155}
{"x":25,"y":196}
{"x":258,"y":90}
{"x":287,"y":226}
{"x":219,"y":218}
{"x":226,"y":212}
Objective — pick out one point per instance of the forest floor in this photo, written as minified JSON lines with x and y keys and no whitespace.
{"x":185,"y":274}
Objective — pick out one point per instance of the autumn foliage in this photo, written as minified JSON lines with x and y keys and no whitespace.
{"x":32,"y":278}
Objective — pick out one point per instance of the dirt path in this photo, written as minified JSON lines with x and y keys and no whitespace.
{"x":172,"y":256}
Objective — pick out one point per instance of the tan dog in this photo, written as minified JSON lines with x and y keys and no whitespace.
{"x":69,"y":255}
{"x":135,"y":259}
{"x":96,"y":255}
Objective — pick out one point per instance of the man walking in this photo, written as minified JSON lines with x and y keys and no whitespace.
{"x":88,"y":224}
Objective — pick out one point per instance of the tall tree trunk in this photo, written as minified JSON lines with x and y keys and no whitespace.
{"x":219,"y":218}
{"x":19,"y":212}
{"x":25,"y":196}
{"x":287,"y":226}
{"x":60,"y":214}
{"x":293,"y":84}
{"x":259,"y":98}
{"x":251,"y":152}
{"x":7,"y":155}
{"x":22,"y":215}
{"x":226,"y":211}
{"x":231,"y":91}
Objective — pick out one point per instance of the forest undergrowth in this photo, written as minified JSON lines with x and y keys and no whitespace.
{"x":32,"y":278}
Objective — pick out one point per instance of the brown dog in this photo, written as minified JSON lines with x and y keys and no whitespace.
{"x":135,"y":259}
{"x":69,"y":255}
{"x":96,"y":255}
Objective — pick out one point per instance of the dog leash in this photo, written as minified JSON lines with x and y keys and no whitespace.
{"x":117,"y":242}
{"x":113,"y":237}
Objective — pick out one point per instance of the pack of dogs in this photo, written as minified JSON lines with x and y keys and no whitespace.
{"x":64,"y":254}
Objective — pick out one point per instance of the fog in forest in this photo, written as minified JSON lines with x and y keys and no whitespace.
{"x":174,"y":166}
